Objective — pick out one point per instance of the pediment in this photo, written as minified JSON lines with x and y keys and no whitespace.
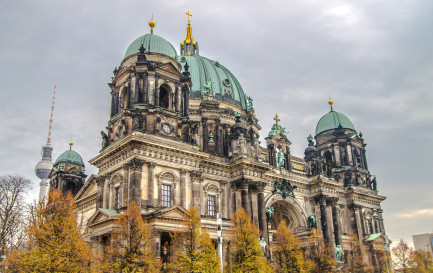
{"x":174,"y":213}
{"x":169,"y":67}
{"x":102,"y":215}
{"x":89,"y":188}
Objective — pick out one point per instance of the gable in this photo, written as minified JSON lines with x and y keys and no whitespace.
{"x":172,"y":213}
{"x":169,"y":67}
{"x":89,"y":188}
{"x":103,"y":215}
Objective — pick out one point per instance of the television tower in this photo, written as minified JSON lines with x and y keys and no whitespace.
{"x":43,"y":167}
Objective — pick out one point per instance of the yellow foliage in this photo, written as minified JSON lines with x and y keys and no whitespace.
{"x":244,"y":253}
{"x":192,"y":249}
{"x":132,"y":246}
{"x":54,"y":241}
{"x":288,"y":254}
{"x":320,"y":254}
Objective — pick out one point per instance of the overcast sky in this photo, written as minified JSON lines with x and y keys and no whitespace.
{"x":375,"y":58}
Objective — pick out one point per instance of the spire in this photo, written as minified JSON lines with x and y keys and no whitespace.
{"x":151,"y":25}
{"x":189,"y":46}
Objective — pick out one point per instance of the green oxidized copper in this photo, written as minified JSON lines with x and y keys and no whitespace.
{"x":284,"y":188}
{"x":277,"y":129}
{"x":339,"y":254}
{"x":312,"y":221}
{"x":280,"y":159}
{"x":263,"y":246}
{"x":269,"y":211}
{"x":211,"y":138}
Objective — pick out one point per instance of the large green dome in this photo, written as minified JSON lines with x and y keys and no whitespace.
{"x":71,"y":157}
{"x":332,"y":120}
{"x":205,"y":72}
{"x":152,"y":43}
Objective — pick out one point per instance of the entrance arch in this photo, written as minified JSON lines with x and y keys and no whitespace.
{"x":289,"y":210}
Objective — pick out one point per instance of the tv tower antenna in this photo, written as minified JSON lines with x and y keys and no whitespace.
{"x":51,"y":118}
{"x":44,"y":166}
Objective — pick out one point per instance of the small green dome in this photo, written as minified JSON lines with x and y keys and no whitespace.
{"x":152,"y":43}
{"x":207,"y":73}
{"x":71,"y":157}
{"x":332,"y":120}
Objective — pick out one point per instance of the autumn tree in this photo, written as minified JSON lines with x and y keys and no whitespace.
{"x":320,"y":254}
{"x":54,"y":243}
{"x":354,"y":262}
{"x":192,"y":249}
{"x":244,"y":253}
{"x":422,"y":261}
{"x":13,"y":190}
{"x":132,"y":247}
{"x":288,"y":254}
{"x":403,"y":256}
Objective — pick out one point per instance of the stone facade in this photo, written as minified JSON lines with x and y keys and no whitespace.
{"x":167,"y":151}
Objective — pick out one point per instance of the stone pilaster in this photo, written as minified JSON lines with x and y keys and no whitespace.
{"x":106,"y":202}
{"x":100,"y":181}
{"x":196,"y":178}
{"x":151,"y":185}
{"x":125,"y":189}
{"x":135,"y":173}
{"x":183,"y":188}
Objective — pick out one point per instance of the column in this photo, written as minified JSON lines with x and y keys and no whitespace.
{"x":323,"y":217}
{"x":183,"y":188}
{"x":337,"y":229}
{"x":185,"y":90}
{"x":349,"y":154}
{"x":156,"y":92}
{"x":158,"y":243}
{"x":356,"y":212}
{"x":151,"y":184}
{"x":196,"y":199}
{"x":177,"y":99}
{"x":135,"y":169}
{"x":244,"y":195}
{"x":263,"y":226}
{"x":205,"y":135}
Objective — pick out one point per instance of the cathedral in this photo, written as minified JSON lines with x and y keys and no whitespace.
{"x":182,"y":132}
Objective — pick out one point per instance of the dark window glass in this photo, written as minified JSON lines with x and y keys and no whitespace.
{"x":211,"y":205}
{"x":165,"y":195}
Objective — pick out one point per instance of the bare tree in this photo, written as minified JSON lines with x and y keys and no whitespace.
{"x":403,"y":256}
{"x":13,"y":190}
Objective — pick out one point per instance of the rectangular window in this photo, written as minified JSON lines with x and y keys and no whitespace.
{"x":116,"y":198}
{"x":165,"y":195}
{"x":211,"y":205}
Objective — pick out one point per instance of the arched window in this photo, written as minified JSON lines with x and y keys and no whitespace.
{"x":164,"y":96}
{"x":212,"y":194}
{"x":116,"y":192}
{"x":123,"y":99}
{"x":358,"y":159}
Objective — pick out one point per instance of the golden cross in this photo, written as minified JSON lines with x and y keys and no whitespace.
{"x":189,"y":15}
{"x":276,"y":118}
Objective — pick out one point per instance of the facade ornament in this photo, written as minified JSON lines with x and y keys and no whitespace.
{"x":312,"y":223}
{"x":249,"y":104}
{"x":277,"y":129}
{"x":208,"y":89}
{"x":280,"y":159}
{"x":104,"y":139}
{"x":136,"y":164}
{"x":211,"y":140}
{"x":339,"y":254}
{"x":263,"y":246}
{"x":269,"y":211}
{"x":284,"y":188}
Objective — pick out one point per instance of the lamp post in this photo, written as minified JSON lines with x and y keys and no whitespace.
{"x":220,"y":239}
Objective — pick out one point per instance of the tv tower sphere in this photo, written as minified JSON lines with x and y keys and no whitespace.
{"x":43,"y":167}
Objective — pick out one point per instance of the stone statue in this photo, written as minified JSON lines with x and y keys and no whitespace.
{"x":104,"y":140}
{"x":339,"y":254}
{"x":138,"y":120}
{"x":263,"y":246}
{"x":374,"y":183}
{"x":312,"y":221}
{"x":269,"y":211}
{"x":280,"y":159}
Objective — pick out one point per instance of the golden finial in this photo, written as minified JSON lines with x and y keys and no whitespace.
{"x":330,"y":102}
{"x":70,"y":144}
{"x":277,"y":119}
{"x":151,"y":25}
{"x":189,"y":17}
